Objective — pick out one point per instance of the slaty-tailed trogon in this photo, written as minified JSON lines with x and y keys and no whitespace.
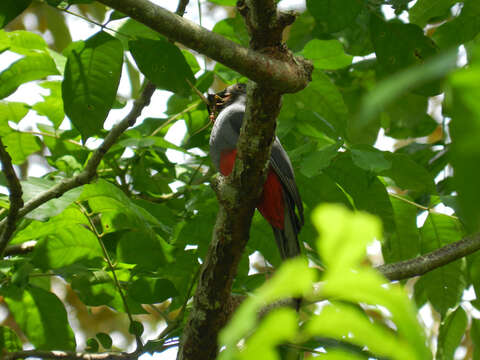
{"x":280,"y":195}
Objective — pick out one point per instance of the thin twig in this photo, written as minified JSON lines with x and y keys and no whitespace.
{"x":200,"y":95}
{"x":20,"y":249}
{"x":15,"y":198}
{"x":90,"y":170}
{"x":103,"y":26}
{"x":182,"y":5}
{"x":175,"y":117}
{"x":283,"y":76}
{"x":174,"y":324}
{"x":65,"y":355}
{"x":199,"y":7}
{"x":40,"y":133}
{"x":409,"y":201}
{"x":98,"y":235}
{"x":430,"y":210}
{"x":428,"y":262}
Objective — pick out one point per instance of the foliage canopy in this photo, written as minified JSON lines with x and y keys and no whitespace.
{"x":123,"y":250}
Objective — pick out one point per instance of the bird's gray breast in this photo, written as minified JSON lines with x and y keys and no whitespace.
{"x":225,"y":131}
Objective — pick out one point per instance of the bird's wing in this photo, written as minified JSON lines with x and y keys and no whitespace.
{"x":283,"y":168}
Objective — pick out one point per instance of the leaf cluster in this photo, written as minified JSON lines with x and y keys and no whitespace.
{"x":132,"y":240}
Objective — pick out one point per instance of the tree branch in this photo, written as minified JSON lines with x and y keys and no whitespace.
{"x":237,"y":196}
{"x":268,"y":69}
{"x":20,"y":249}
{"x":428,"y":262}
{"x":182,"y":5}
{"x":15,"y":197}
{"x":64,"y":355}
{"x":91,"y":168}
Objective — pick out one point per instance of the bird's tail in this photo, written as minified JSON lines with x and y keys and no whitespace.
{"x":287,"y":243}
{"x":287,"y":238}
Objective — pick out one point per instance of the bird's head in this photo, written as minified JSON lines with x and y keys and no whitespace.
{"x":219,"y":101}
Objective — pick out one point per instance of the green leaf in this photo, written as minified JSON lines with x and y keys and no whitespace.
{"x":198,"y":229}
{"x":318,"y":160}
{"x":21,"y":41}
{"x":9,"y":10}
{"x":344,"y":322}
{"x":326,"y":54}
{"x":233,"y":29}
{"x":465,"y":131}
{"x":224,"y":2}
{"x":355,"y":83}
{"x":428,"y":11}
{"x":104,"y":339}
{"x":92,"y":75}
{"x":34,"y":66}
{"x":11,"y":111}
{"x":191,"y":61}
{"x":292,"y":279}
{"x":151,"y":291}
{"x":370,"y":159}
{"x":475,"y":336}
{"x":63,"y":143}
{"x":321,"y":189}
{"x":452,"y":330}
{"x":195,"y":121}
{"x":181,"y":272}
{"x":52,"y":104}
{"x":343,"y":247}
{"x":366,"y":190}
{"x":136,"y":30}
{"x":320,"y":106}
{"x":21,"y":276}
{"x":404,"y":242}
{"x":407,"y":174}
{"x":227,"y":75}
{"x":9,"y":340}
{"x":397,"y":85}
{"x":118,"y":211}
{"x":95,"y":288}
{"x":399,"y":46}
{"x":136,"y":328}
{"x":163,"y":64}
{"x":147,"y":141}
{"x":344,"y":235}
{"x":399,"y":5}
{"x":444,"y":286}
{"x":20,"y":145}
{"x":461,"y":29}
{"x":334,"y":15}
{"x":277,"y":327}
{"x":141,"y":248}
{"x":92,"y":345}
{"x":367,"y":286}
{"x":42,"y":318}
{"x":408,"y":117}
{"x":356,"y":37}
{"x":301,"y":32}
{"x":32,"y":187}
{"x":63,"y":240}
{"x":341,"y":355}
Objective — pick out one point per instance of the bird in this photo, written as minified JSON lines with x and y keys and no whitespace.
{"x":280,"y":196}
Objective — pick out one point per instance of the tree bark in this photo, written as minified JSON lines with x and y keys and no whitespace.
{"x":260,"y":66}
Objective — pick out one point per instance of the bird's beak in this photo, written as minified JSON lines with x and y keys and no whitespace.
{"x":216,"y":102}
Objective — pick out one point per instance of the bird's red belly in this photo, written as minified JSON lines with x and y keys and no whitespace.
{"x":271,"y":204}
